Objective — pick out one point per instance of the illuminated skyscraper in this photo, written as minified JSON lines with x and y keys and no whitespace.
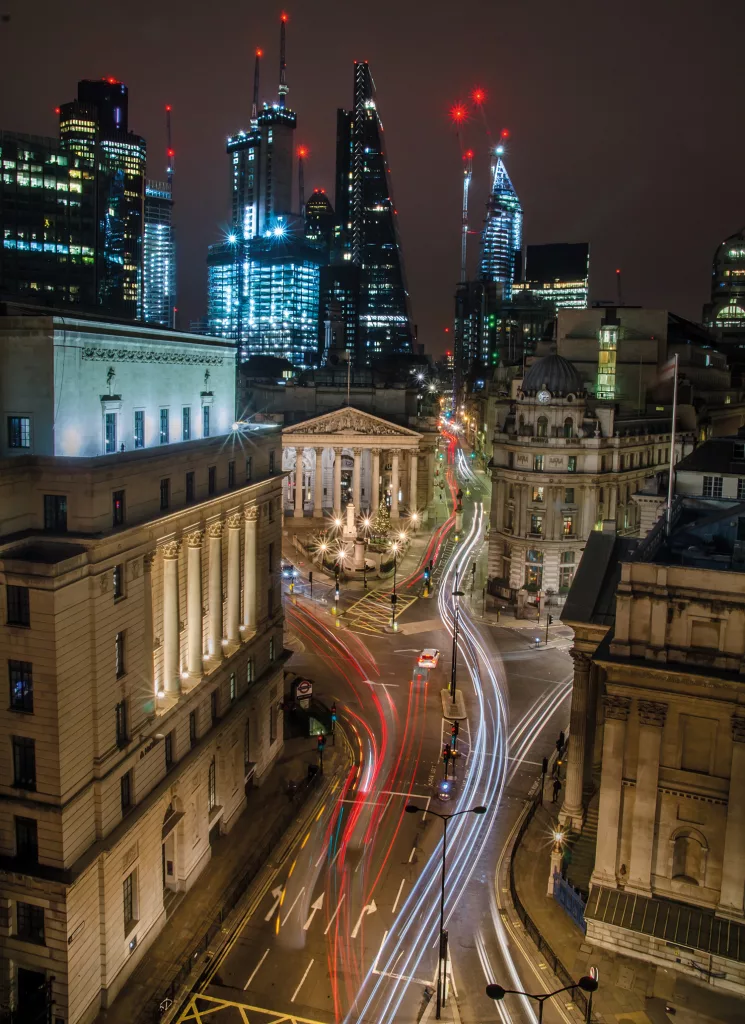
{"x":95,"y":126}
{"x":159,"y":262}
{"x":367,"y":225}
{"x":726,"y":311}
{"x":501,"y":241}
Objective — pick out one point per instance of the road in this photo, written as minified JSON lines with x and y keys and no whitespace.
{"x":347,"y":929}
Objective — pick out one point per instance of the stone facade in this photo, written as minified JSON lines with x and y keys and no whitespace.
{"x":142,"y":635}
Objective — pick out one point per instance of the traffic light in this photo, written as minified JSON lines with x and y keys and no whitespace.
{"x":454,"y":729}
{"x":426,"y":574}
{"x":550,"y":619}
{"x":310,"y":577}
{"x":321,"y":740}
{"x":447,"y":753}
{"x":544,"y":766}
{"x":333,"y":712}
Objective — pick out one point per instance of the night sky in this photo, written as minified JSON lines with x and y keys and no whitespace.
{"x":626,"y":119}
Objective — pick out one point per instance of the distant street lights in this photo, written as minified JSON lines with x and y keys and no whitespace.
{"x":587,"y":984}
{"x":443,"y":946}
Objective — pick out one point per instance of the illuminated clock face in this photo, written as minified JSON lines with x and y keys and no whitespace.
{"x":544,"y":396}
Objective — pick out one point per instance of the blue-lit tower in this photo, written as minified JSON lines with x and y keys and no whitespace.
{"x":263,"y":280}
{"x":501,"y":241}
{"x":159,"y":247}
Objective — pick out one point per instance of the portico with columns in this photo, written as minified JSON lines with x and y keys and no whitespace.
{"x":352,"y":456}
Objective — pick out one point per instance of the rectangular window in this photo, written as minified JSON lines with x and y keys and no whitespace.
{"x":272,"y":723}
{"x":211,"y":480}
{"x":538,"y":463}
{"x":110,"y":433}
{"x":119,"y":655}
{"x":128,"y":899}
{"x":231,"y":473}
{"x":569,"y":496}
{"x":55,"y":512}
{"x":270,"y":602}
{"x":139,"y":428}
{"x":117,"y":508}
{"x":122,"y":729}
{"x":24,"y":763}
{"x":271,"y":649}
{"x":247,"y":746}
{"x":192,"y":728}
{"x":30,"y":923}
{"x":270,"y":510}
{"x":211,"y":786}
{"x":712,"y":486}
{"x":213,"y":706}
{"x":536,"y":524}
{"x":118,"y":582}
{"x":250,"y":670}
{"x":19,"y":432}
{"x":21,"y":686}
{"x":190,"y":493}
{"x":741,"y":489}
{"x":271,"y":558}
{"x":186,"y":423}
{"x":567,"y":525}
{"x":537,"y":494}
{"x":18,"y":609}
{"x":205,"y":421}
{"x":271,"y":463}
{"x":27,"y":841}
{"x":249,"y":469}
{"x":165,"y":493}
{"x":232,"y":687}
{"x":125,"y":791}
{"x":164,"y":427}
{"x":572,"y":464}
{"x":168,"y":745}
{"x":738,"y":452}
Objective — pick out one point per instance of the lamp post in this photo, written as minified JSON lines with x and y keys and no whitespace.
{"x":497,"y":992}
{"x":443,"y":949}
{"x":394,"y":598}
{"x":457,"y":594}
{"x":366,"y":524}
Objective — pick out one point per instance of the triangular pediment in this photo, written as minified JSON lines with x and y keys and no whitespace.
{"x":349,"y":421}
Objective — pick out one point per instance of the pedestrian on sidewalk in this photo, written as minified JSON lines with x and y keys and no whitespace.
{"x":557,"y":790}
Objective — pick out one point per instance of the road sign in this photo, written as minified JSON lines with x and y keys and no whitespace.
{"x":303,"y":692}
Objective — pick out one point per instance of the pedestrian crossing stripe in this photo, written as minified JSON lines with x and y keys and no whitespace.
{"x":203,"y":1009}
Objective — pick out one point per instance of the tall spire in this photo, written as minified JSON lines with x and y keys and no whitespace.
{"x":169,"y":149}
{"x":501,"y":241}
{"x":283,"y":90}
{"x":255,"y":104}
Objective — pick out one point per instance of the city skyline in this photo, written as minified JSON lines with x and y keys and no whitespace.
{"x":557,"y":155}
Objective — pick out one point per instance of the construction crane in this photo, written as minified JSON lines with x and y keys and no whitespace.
{"x":283,"y":89}
{"x":255,"y":103}
{"x":302,"y":152}
{"x":467,"y":175}
{"x":169,"y":150}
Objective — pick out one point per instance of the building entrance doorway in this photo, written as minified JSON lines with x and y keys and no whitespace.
{"x":32,"y":996}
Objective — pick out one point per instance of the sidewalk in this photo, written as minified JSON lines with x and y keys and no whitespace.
{"x":186,"y":925}
{"x":631,"y":991}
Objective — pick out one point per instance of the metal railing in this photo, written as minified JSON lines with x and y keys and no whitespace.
{"x":570,"y":900}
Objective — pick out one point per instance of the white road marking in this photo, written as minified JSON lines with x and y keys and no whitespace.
{"x":369,"y":908}
{"x":314,"y":907}
{"x":338,"y":908}
{"x":424,"y":815}
{"x":277,"y":894}
{"x":254,"y":972}
{"x":307,"y":969}
{"x":398,"y":896}
{"x":293,"y":905}
{"x":411,"y":855}
{"x":380,"y":950}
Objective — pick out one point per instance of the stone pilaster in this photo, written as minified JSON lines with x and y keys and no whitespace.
{"x":572,"y":811}
{"x":733,"y":861}
{"x":214,"y":533}
{"x":251,"y":516}
{"x":652,"y":715}
{"x":194,"y":604}
{"x":171,"y":654}
{"x":611,"y":780}
{"x":318,"y":485}
{"x":234,"y":579}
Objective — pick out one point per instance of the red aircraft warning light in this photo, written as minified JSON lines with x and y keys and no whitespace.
{"x":478,"y":95}
{"x":284,"y":17}
{"x":458,"y":113}
{"x":302,"y":152}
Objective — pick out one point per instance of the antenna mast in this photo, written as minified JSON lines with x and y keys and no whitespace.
{"x":283,"y":90}
{"x":169,"y":150}
{"x":302,"y":152}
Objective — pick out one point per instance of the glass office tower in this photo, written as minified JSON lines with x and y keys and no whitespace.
{"x":501,"y":240}
{"x":159,"y":257}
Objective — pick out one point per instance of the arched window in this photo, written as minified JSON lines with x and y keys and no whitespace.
{"x":689,"y":849}
{"x":542,"y":428}
{"x":569,"y":427}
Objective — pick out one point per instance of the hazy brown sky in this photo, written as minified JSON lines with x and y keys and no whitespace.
{"x":625,"y":118}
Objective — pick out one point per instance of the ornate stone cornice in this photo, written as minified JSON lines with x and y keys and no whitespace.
{"x":349,"y":421}
{"x":170,"y":549}
{"x":616,"y":707}
{"x":357,"y":452}
{"x":394,"y":451}
{"x":147,"y":560}
{"x":195,"y":539}
{"x":738,"y":729}
{"x":214,"y":530}
{"x":582,"y":661}
{"x":251,"y":513}
{"x":319,"y":451}
{"x":234,"y":521}
{"x":652,"y":712}
{"x":149,"y":355}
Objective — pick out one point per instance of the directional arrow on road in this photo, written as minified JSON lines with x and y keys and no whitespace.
{"x":313,"y":908}
{"x":277,"y":894}
{"x":369,"y":909}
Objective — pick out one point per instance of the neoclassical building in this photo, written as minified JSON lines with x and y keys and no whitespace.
{"x":562,"y":464}
{"x":352,"y":456}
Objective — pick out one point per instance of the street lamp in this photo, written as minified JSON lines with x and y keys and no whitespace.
{"x":443,"y":950}
{"x":457,"y":594}
{"x":394,"y":549}
{"x":497,"y":992}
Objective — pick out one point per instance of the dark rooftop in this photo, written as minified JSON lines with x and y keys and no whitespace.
{"x":44,"y":552}
{"x":718,"y":455}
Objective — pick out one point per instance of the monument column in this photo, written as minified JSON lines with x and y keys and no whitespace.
{"x":234,"y":579}
{"x":357,"y":479}
{"x":413,"y":481}
{"x":651,"y":721}
{"x":337,"y":481}
{"x":318,"y":485}
{"x":251,"y":514}
{"x":611,"y":782}
{"x":733,"y":861}
{"x":171,"y":654}
{"x":572,"y":811}
{"x":194,"y":604}
{"x":394,"y":484}
{"x":214,"y":532}
{"x":375,"y":481}
{"x":299,"y":483}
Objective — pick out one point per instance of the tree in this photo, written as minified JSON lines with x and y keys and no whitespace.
{"x":381,"y":521}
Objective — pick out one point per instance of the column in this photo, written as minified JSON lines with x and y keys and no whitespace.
{"x":609,"y":812}
{"x":251,"y":518}
{"x":651,"y":721}
{"x":375,"y":481}
{"x":572,"y":811}
{"x":337,"y":481}
{"x":733,"y":861}
{"x":214,"y":532}
{"x":592,"y":704}
{"x":394,"y":484}
{"x":194,"y":604}
{"x":413,"y":482}
{"x":299,"y":483}
{"x":290,"y":475}
{"x":148,"y":638}
{"x":357,"y":479}
{"x":318,"y":486}
{"x":171,"y":654}
{"x":234,"y":579}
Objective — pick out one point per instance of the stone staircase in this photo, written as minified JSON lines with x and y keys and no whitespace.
{"x":582,"y":846}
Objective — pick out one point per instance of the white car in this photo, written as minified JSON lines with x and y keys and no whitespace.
{"x":429,"y":658}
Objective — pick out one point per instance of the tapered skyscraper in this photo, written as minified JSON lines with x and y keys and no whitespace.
{"x":367,"y":226}
{"x":501,"y":241}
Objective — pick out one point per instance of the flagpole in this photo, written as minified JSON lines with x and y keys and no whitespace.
{"x":669,"y":510}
